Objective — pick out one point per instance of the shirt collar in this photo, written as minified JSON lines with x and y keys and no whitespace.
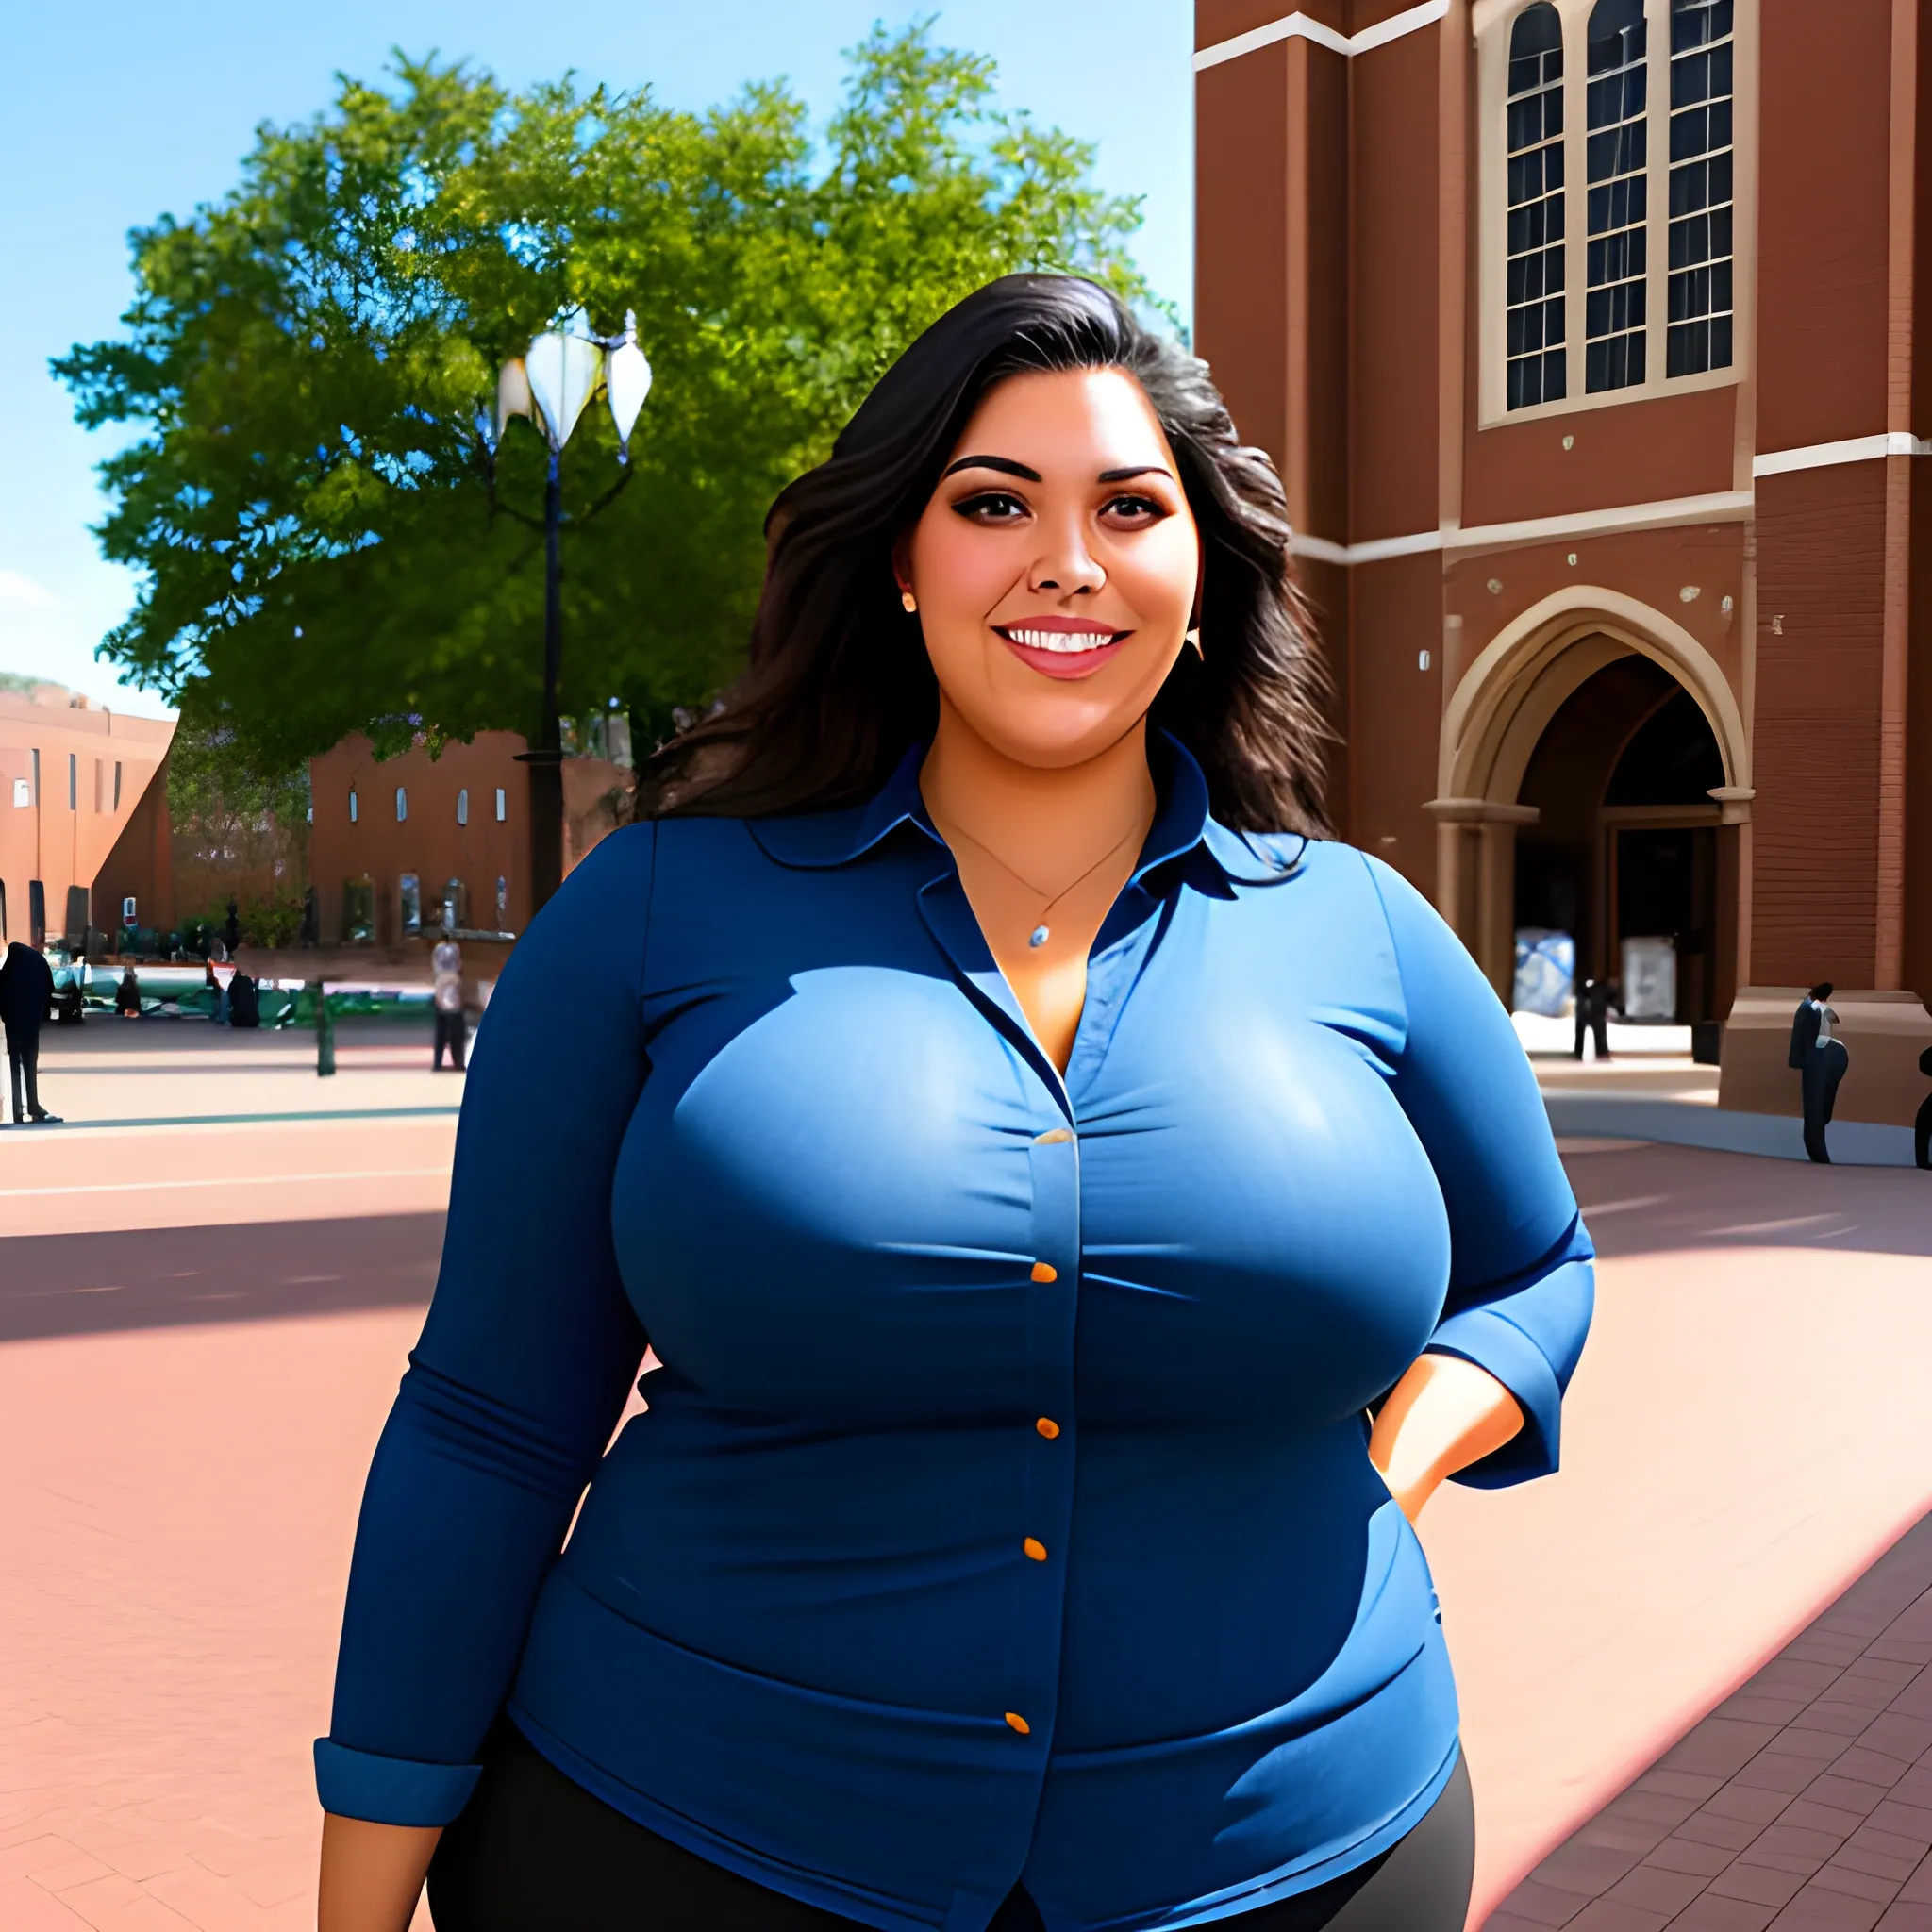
{"x":1182,"y":823}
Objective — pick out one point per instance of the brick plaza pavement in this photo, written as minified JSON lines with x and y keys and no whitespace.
{"x":186,"y":1412}
{"x":1803,"y":1803}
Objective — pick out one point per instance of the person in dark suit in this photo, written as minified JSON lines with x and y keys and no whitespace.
{"x":26,"y":1000}
{"x":1922,"y":1127}
{"x":1595,"y":999}
{"x":244,"y":1003}
{"x":1821,"y":1063}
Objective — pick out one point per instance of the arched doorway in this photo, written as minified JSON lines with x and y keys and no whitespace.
{"x":1594,"y":777}
{"x":1625,"y":848}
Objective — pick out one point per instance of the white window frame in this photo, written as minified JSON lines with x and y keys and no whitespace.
{"x":1491,"y":21}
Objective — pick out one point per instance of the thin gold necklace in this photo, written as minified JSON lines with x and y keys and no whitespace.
{"x":1041,"y":932}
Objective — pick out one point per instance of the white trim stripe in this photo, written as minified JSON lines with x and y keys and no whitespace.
{"x":1723,"y":507}
{"x":1853,"y":449}
{"x":1299,"y":26}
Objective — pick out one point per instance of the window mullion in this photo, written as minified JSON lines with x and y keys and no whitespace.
{"x":1575,"y":191}
{"x":1658,"y":203}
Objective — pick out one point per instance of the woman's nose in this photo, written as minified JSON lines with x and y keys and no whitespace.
{"x":1068,"y":567}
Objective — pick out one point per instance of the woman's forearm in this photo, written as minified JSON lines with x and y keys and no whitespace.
{"x":372,"y":1874}
{"x":1444,"y":1414}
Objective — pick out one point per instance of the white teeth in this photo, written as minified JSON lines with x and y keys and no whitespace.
{"x":1063,"y":641}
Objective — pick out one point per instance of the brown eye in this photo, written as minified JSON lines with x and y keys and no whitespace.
{"x":1134,"y":509}
{"x":991,"y":506}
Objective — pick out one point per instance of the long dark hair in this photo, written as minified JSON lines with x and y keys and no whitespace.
{"x":839,"y":684}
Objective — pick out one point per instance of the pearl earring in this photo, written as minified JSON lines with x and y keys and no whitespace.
{"x":1194,"y":639}
{"x":911,"y":602}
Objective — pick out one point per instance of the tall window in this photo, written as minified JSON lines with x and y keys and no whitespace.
{"x":1613,"y":305}
{"x":1535,"y":322}
{"x":72,"y":781}
{"x":464,"y":805}
{"x":402,"y":804}
{"x":1701,"y":187}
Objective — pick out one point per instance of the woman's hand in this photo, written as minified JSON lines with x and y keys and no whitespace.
{"x":372,"y":1874}
{"x":1444,"y":1415}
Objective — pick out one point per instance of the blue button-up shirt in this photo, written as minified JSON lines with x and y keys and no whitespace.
{"x":1002,"y":1510}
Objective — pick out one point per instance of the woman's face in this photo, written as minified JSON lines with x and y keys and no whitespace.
{"x":1056,"y":566}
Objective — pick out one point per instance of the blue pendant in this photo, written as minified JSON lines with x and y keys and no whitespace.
{"x":1038,"y":936}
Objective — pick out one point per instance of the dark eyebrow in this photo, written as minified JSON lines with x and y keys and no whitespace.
{"x":1005,"y":465}
{"x":1138,"y":470}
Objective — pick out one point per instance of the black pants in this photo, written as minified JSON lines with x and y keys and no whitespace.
{"x":23,"y":1059}
{"x":449,"y":1033}
{"x":1921,"y":1134}
{"x":1598,"y":1025}
{"x":1824,"y":1067}
{"x":535,"y":1850}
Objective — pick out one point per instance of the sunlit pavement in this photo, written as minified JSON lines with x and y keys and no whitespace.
{"x":187,"y":1411}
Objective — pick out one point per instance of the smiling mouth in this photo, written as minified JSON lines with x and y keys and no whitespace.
{"x":1063,"y":641}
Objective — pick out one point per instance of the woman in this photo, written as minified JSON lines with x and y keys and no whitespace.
{"x":1027,"y":1180}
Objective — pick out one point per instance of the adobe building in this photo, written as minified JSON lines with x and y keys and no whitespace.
{"x":1583,"y":333}
{"x":83,"y":816}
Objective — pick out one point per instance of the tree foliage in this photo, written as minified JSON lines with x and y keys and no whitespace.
{"x":327,"y":541}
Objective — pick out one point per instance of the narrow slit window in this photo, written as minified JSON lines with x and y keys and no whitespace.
{"x":1699,"y":328}
{"x":500,"y":813}
{"x":117,"y":784}
{"x":1534,"y":314}
{"x":464,"y":805}
{"x":1617,"y":255}
{"x":352,"y":805}
{"x":72,"y":781}
{"x":402,"y":804}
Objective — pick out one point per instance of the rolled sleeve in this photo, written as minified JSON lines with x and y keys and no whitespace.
{"x":1522,"y":1284}
{"x":390,"y":1790}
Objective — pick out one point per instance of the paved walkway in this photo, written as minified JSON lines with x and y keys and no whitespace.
{"x":185,"y":1448}
{"x":1802,"y":1803}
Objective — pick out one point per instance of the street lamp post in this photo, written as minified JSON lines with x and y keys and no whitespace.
{"x":551,"y":385}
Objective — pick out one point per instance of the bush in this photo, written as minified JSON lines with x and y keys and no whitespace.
{"x":274,"y":922}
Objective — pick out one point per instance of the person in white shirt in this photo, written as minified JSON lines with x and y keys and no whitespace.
{"x":447,"y":999}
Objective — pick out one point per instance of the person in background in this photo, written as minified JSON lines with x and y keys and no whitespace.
{"x":1821,"y":1063}
{"x":127,"y":996}
{"x":67,"y":994}
{"x":1922,"y":1126}
{"x":447,"y":999}
{"x":231,"y":930}
{"x":244,"y":1006}
{"x":1595,"y":999}
{"x":26,"y":998}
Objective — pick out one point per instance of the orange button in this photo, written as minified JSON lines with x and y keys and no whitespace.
{"x":1018,"y":1723}
{"x":1035,"y":1548}
{"x":1046,"y":1271}
{"x":1047,"y":1427}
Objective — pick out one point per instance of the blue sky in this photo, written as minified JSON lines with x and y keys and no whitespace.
{"x":130,"y":109}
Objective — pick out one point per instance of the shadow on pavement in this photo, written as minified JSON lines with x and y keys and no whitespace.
{"x":93,"y":1284}
{"x":1643,"y":1199}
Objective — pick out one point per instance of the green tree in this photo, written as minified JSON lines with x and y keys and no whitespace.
{"x":327,"y":540}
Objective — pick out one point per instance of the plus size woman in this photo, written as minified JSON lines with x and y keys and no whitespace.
{"x":1081,"y":1210}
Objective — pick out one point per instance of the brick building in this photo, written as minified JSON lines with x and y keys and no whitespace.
{"x":81,"y":791}
{"x":392,"y":838}
{"x":1583,"y":333}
